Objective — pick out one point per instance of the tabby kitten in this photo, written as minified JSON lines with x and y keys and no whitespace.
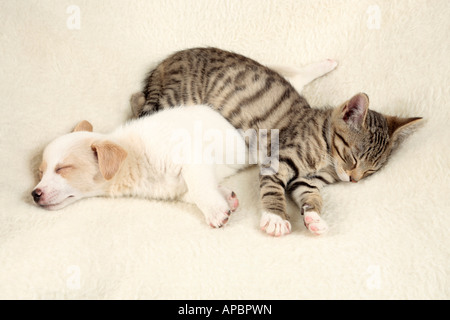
{"x":317,"y":146}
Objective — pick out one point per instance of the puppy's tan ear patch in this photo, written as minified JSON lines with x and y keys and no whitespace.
{"x":110,"y":157}
{"x":83,"y":126}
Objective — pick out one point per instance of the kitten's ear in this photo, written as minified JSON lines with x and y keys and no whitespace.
{"x":400,"y":128}
{"x":83,"y":126}
{"x":354,"y":111}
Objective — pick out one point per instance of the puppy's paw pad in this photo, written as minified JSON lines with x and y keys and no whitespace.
{"x":315,"y":223}
{"x":233,"y":201}
{"x":274,"y":224}
{"x":231,"y":197}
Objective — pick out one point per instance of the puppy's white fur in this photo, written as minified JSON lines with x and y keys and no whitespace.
{"x":142,"y":159}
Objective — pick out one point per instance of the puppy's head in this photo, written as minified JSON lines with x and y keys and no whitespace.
{"x":77,"y":165}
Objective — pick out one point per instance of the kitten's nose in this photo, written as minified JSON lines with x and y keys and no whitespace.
{"x":353,"y":180}
{"x":37,"y":193}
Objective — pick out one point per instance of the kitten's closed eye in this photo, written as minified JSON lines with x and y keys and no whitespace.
{"x":369,"y":172}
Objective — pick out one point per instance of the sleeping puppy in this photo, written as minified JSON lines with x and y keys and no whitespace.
{"x":179,"y":153}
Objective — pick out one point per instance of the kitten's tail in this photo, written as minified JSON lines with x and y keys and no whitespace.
{"x":137,"y":102}
{"x":147,"y":102}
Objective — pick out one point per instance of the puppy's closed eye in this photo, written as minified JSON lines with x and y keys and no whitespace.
{"x":63,"y":169}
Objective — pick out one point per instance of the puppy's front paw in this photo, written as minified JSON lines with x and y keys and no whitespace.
{"x":217,"y":209}
{"x":315,"y":223}
{"x":218,"y":217}
{"x":274,"y":224}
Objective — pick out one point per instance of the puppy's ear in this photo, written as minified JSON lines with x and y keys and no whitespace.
{"x":83,"y":126}
{"x":110,"y":157}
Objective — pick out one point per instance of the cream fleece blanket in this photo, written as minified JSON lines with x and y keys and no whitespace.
{"x":65,"y":61}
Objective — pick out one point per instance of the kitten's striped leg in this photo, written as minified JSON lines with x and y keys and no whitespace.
{"x":306,"y":194}
{"x":274,"y":218}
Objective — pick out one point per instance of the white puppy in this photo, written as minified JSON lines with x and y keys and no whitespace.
{"x":176,"y":153}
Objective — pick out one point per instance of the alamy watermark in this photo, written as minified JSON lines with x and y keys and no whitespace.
{"x":73,"y":21}
{"x":373,"y":281}
{"x":373,"y":17}
{"x":214,"y":146}
{"x":73,"y":280}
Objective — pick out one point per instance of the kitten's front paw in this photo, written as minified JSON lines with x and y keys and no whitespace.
{"x":315,"y":223}
{"x":274,"y":225}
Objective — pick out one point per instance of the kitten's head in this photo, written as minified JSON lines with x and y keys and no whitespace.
{"x":362,"y":139}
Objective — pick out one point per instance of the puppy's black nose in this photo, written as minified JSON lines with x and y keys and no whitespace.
{"x":36,"y":195}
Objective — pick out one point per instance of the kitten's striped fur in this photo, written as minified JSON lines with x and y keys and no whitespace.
{"x":318,"y":146}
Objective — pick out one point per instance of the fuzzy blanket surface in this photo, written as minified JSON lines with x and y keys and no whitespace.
{"x":65,"y":61}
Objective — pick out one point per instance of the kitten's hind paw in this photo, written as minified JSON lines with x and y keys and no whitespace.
{"x":315,"y":223}
{"x":274,"y":225}
{"x":320,"y":68}
{"x":324,"y":66}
